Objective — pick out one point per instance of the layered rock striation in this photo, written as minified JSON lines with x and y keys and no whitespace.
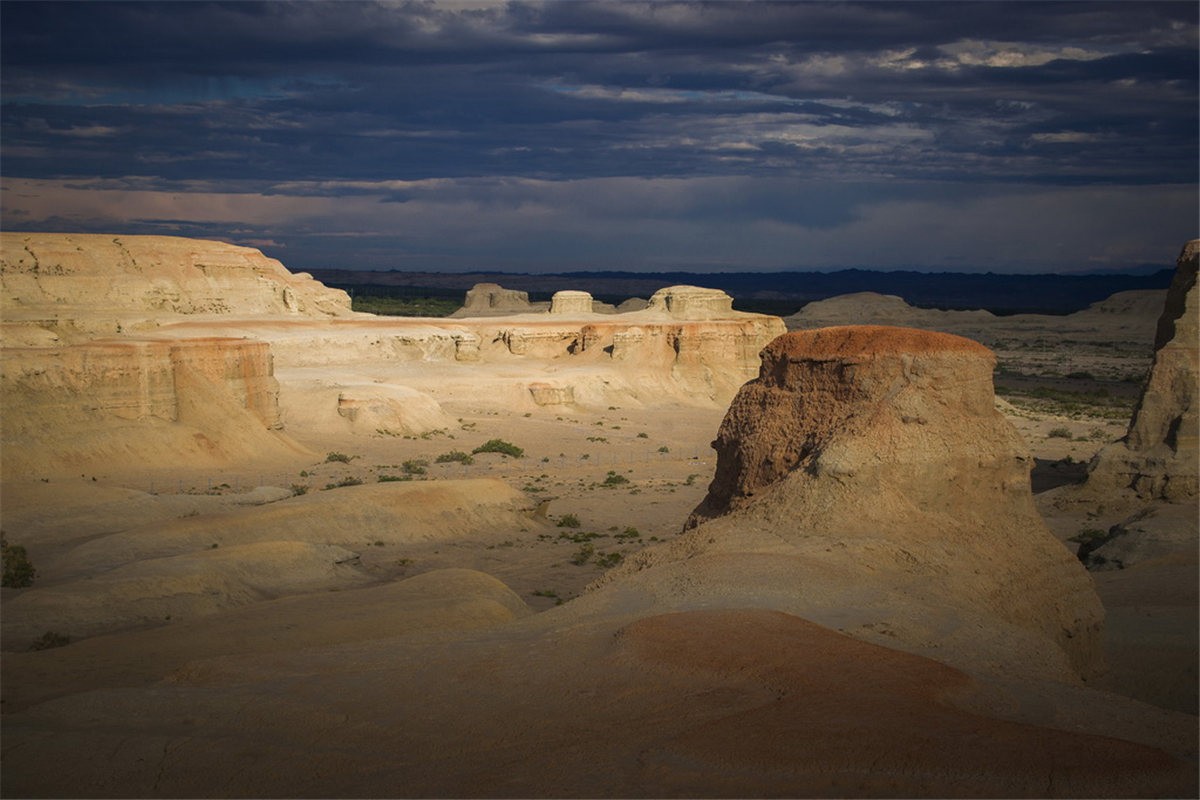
{"x":93,"y":283}
{"x":1158,"y":457}
{"x":865,"y":477}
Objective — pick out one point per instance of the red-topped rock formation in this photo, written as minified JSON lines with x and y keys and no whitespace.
{"x":866,"y":476}
{"x":864,"y":399}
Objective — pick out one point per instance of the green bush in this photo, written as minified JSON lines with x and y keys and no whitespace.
{"x":455,"y":455}
{"x":500,"y":446}
{"x":1059,"y":433}
{"x":614,"y":479}
{"x":18,"y":570}
{"x":583,"y":555}
{"x":50,"y":639}
{"x":342,"y":457}
{"x":415,"y":466}
{"x":569,"y":521}
{"x":385,"y":478}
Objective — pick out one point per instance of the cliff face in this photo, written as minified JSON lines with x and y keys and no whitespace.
{"x":95,"y":282}
{"x":107,"y":401}
{"x":872,"y":460}
{"x":1158,"y":457}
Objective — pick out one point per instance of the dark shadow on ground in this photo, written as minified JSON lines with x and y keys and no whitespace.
{"x":1047,"y":474}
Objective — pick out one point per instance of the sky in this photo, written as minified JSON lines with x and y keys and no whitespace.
{"x":562,"y":136}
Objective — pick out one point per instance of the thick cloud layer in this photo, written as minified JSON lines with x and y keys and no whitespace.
{"x":1006,"y":136}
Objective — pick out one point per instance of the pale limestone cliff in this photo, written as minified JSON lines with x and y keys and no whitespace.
{"x":73,"y":284}
{"x":124,"y":402}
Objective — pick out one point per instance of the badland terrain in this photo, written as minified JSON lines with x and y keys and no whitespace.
{"x":260,"y":544}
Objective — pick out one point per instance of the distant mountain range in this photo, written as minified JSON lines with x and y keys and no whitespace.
{"x":779,"y":292}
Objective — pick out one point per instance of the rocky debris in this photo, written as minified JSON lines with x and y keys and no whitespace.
{"x":390,"y":411}
{"x":692,"y":303}
{"x":98,"y":283}
{"x":569,"y":302}
{"x":1157,"y":459}
{"x":492,"y":300}
{"x":546,"y":394}
{"x":870,"y":466}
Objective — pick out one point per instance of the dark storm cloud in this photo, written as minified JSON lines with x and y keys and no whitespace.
{"x":861,"y":104}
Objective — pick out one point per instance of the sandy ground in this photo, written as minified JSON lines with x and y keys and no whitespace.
{"x":594,"y":486}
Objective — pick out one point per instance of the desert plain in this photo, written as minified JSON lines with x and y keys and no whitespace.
{"x":287,"y":549}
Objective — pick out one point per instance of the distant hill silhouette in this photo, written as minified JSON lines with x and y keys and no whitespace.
{"x":780,"y":292}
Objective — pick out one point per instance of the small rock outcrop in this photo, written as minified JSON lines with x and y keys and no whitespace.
{"x":1158,"y":457}
{"x":692,"y":303}
{"x":492,"y":299}
{"x":570,"y":302}
{"x":877,"y":454}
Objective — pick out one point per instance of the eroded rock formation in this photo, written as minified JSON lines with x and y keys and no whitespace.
{"x":1158,"y":457}
{"x":89,"y":283}
{"x":112,"y":400}
{"x":870,"y":464}
{"x":492,"y":299}
{"x":569,"y":302}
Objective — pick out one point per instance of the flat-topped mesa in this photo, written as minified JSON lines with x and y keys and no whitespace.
{"x":859,"y":399}
{"x":1158,"y":458}
{"x":571,"y":302}
{"x":92,"y":279}
{"x":877,"y":453}
{"x":692,"y":303}
{"x":493,"y":300}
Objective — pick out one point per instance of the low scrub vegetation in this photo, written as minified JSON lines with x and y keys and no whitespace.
{"x":453,"y":456}
{"x":18,"y":569}
{"x":500,"y":446}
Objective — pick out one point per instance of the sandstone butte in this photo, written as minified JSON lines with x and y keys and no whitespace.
{"x":871,"y":462}
{"x":1159,"y":457}
{"x":181,"y":343}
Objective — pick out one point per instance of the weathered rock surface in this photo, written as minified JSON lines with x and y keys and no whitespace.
{"x":692,"y":302}
{"x":871,"y":465}
{"x":89,"y":283}
{"x":1158,"y":458}
{"x":492,"y":299}
{"x":129,"y":400}
{"x":569,"y":302}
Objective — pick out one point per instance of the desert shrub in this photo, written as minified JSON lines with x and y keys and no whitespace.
{"x":415,"y":466}
{"x":50,"y":639}
{"x":298,"y":489}
{"x":643,"y":435}
{"x":385,"y":478}
{"x":613,"y":479}
{"x":18,"y":569}
{"x":608,"y":560}
{"x":340,"y":457}
{"x":628,"y":533}
{"x":500,"y":446}
{"x":691,"y":479}
{"x":583,"y":555}
{"x":1059,"y":433}
{"x":664,"y":449}
{"x":569,"y":521}
{"x":455,"y":455}
{"x":344,"y":482}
